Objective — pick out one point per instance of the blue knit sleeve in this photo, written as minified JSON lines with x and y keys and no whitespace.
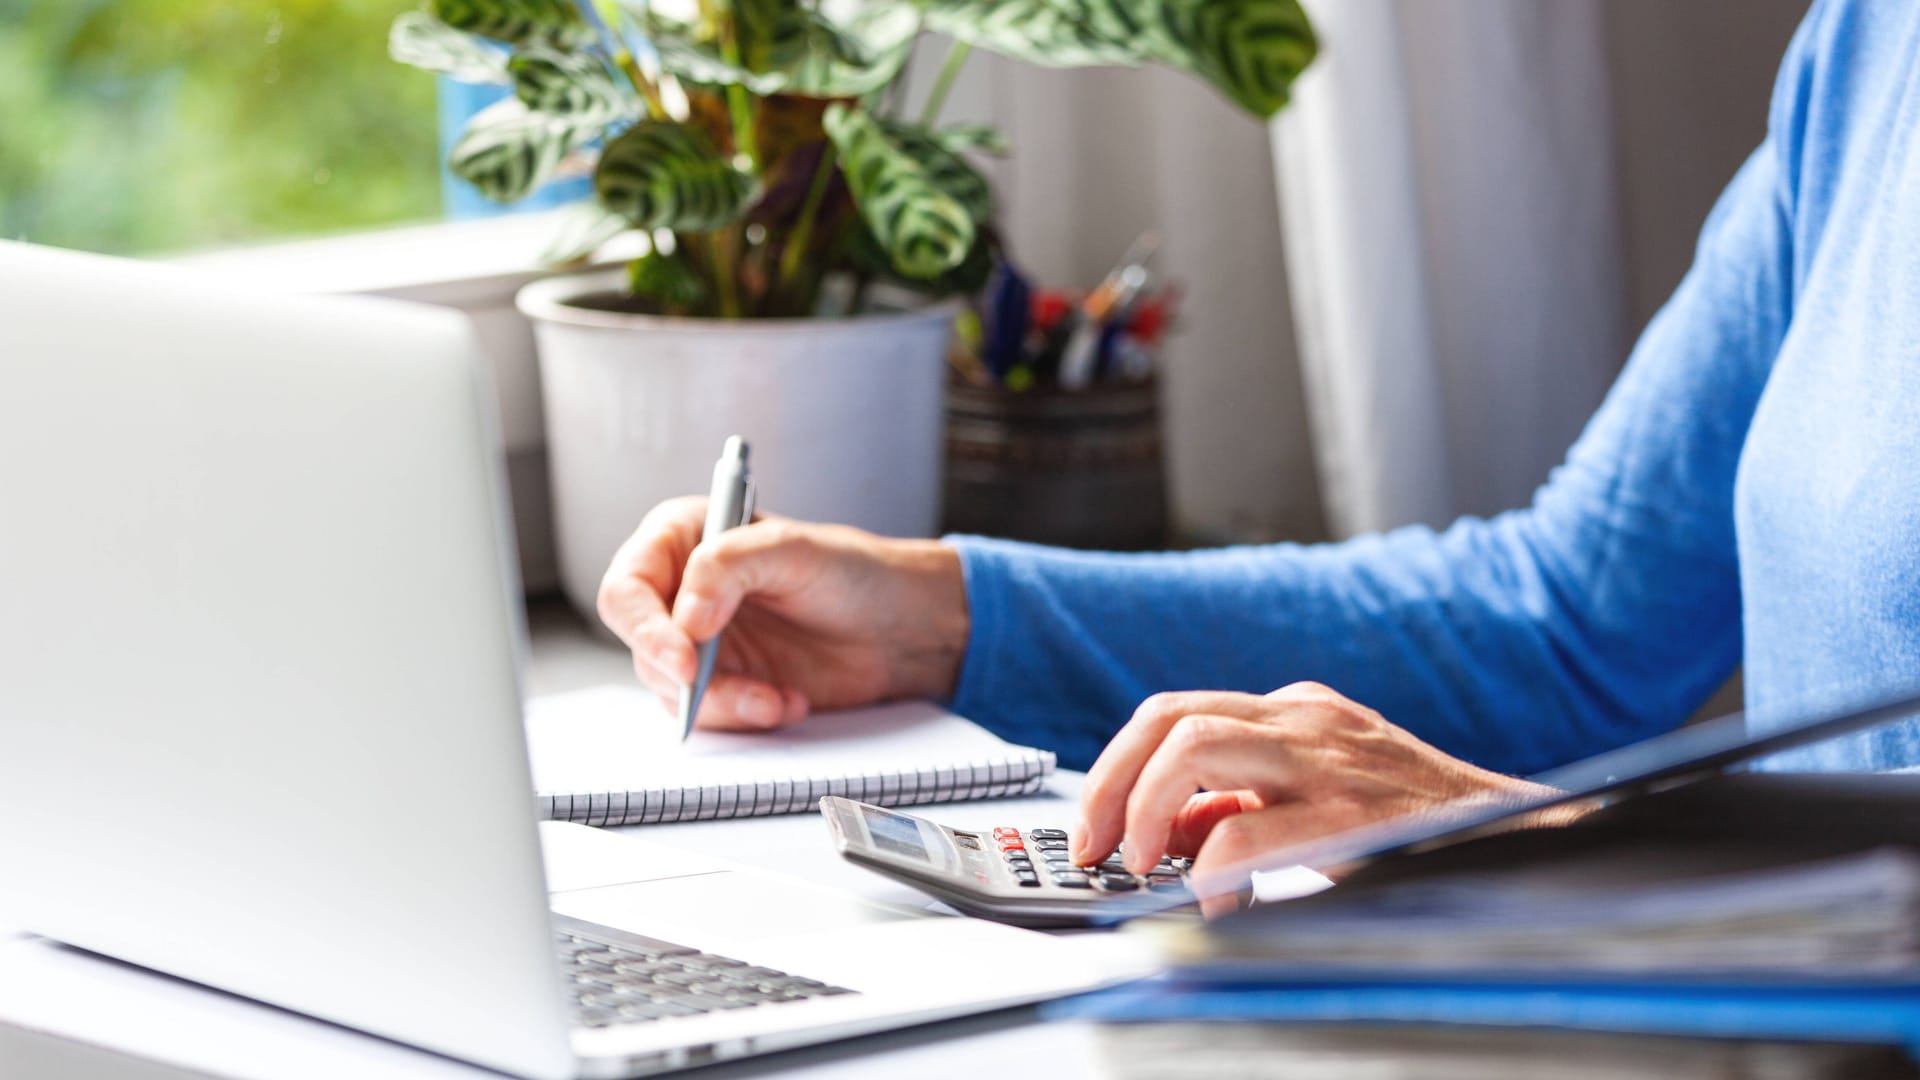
{"x":1602,"y":613}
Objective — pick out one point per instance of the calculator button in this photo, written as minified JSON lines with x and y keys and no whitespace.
{"x":1066,"y":882}
{"x":1069,"y":875}
{"x":1026,"y":877}
{"x":1012,"y":844}
{"x":1164,"y":882}
{"x":1050,"y":845}
{"x":1006,"y":832}
{"x":1114,"y":866}
{"x":1117,"y":882}
{"x":1047,"y":834}
{"x":1057,"y":858}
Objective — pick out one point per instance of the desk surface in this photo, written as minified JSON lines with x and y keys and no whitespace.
{"x":66,"y":1013}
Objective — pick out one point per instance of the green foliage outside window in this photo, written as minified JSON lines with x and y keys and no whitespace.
{"x":138,"y":126}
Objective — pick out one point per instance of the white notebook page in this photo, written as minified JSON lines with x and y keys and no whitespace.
{"x":619,"y":738}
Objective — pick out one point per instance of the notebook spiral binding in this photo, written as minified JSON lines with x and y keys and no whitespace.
{"x":993,"y":779}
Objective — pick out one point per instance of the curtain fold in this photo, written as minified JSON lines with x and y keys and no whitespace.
{"x":1451,"y":224}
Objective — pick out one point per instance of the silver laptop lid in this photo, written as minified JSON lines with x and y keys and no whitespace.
{"x":259,"y":720}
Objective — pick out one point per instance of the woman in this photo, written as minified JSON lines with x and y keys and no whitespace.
{"x":1749,"y":492}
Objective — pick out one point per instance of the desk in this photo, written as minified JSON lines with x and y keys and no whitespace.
{"x":65,"y":1013}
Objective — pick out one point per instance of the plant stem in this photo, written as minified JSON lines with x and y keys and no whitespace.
{"x":739,"y":105}
{"x":796,"y":248}
{"x":723,"y":275}
{"x":656,"y":108}
{"x":942,"y":83}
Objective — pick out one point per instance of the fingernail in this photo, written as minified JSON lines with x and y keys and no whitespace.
{"x":760,"y":707}
{"x":693,"y":611}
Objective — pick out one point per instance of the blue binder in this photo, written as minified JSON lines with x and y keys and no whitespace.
{"x":1868,"y":1014}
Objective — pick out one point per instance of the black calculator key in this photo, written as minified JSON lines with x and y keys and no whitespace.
{"x":1118,"y":882}
{"x":1050,"y":845}
{"x":1047,"y":834}
{"x":1164,"y":882}
{"x":1114,"y":866}
{"x":1057,"y":858}
{"x":1066,"y":882}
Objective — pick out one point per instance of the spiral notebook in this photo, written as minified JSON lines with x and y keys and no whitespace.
{"x":611,"y":755}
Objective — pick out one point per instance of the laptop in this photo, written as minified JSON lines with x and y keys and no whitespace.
{"x":260,"y":723}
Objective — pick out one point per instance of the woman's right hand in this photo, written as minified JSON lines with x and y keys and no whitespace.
{"x":816,"y":616}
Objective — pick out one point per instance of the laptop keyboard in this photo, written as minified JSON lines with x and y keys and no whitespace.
{"x":620,"y":978}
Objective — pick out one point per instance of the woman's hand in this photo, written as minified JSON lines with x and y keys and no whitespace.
{"x":816,"y":616}
{"x":1225,"y":777}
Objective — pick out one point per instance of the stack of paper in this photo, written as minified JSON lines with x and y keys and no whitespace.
{"x":1650,"y":909}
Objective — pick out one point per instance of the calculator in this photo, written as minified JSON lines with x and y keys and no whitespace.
{"x":1008,"y":874}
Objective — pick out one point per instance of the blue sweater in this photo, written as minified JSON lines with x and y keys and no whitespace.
{"x":1749,"y":491}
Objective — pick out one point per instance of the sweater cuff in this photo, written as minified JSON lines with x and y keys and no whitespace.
{"x":986,"y":573}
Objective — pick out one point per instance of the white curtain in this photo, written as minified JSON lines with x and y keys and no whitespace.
{"x":1447,"y":183}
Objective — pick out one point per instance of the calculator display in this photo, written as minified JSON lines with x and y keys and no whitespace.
{"x":896,"y":833}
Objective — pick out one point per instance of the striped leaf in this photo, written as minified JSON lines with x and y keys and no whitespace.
{"x":572,"y":83}
{"x":944,"y":169}
{"x":961,"y":138}
{"x":425,"y":42}
{"x":826,"y":60}
{"x":583,"y":227}
{"x":663,"y":175}
{"x":667,"y":280}
{"x":509,"y":150}
{"x":925,"y":230}
{"x":516,"y":22}
{"x":1250,"y":50}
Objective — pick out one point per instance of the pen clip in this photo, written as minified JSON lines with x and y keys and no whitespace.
{"x":746,"y":503}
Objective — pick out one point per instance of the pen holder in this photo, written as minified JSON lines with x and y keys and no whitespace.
{"x":1073,"y":468}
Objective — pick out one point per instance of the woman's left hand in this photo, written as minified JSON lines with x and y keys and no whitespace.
{"x":1224,"y":777}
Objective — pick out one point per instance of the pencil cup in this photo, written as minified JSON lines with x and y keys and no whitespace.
{"x":1079,"y":469}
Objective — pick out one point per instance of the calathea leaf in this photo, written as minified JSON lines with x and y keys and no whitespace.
{"x":827,"y":60}
{"x":944,"y":169}
{"x":516,"y":22}
{"x":583,"y":227}
{"x":871,"y":49}
{"x":508,"y":149}
{"x":552,"y":81}
{"x":666,"y":280}
{"x":960,"y":138}
{"x":663,"y":175}
{"x":925,"y":230}
{"x":425,"y":42}
{"x":1051,"y":33}
{"x":1251,"y":50}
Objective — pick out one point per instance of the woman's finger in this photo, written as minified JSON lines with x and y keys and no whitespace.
{"x":644,"y":576}
{"x":1103,"y":801}
{"x":1203,"y":811}
{"x":739,"y":703}
{"x":1219,"y":753}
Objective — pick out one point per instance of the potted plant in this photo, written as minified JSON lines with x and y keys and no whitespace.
{"x":760,"y":148}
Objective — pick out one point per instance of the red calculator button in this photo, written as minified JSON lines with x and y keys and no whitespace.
{"x":1006,"y":832}
{"x":1011,"y":843}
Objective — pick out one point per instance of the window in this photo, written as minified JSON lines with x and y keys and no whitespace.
{"x":145,"y":126}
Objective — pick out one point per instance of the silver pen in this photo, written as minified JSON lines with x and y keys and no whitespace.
{"x":729,"y":506}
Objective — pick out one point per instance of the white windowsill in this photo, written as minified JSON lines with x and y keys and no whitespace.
{"x":452,"y":263}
